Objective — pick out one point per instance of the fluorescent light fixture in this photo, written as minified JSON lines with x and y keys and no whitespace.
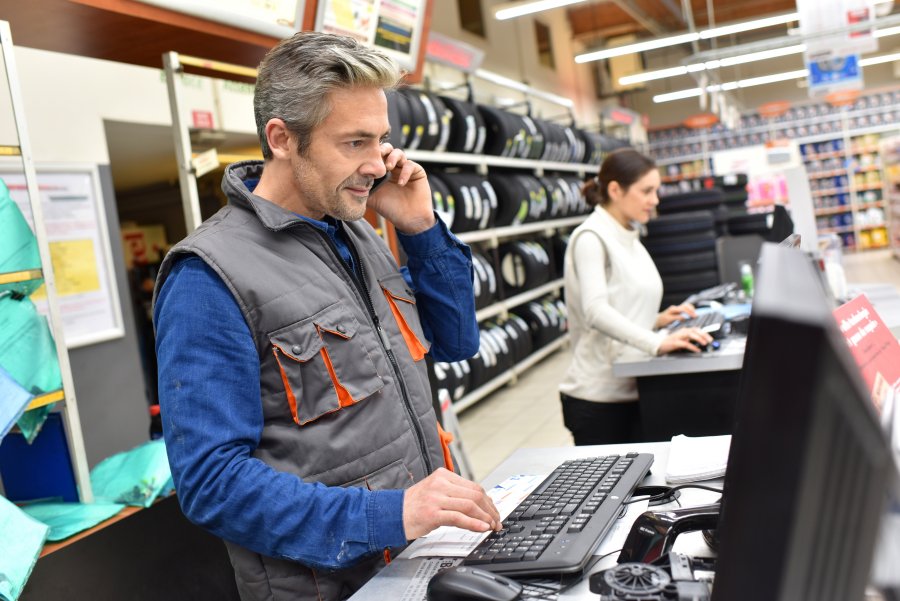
{"x":765,"y":79}
{"x":680,"y":95}
{"x":775,"y":77}
{"x":762,"y":55}
{"x":627,"y":80}
{"x":685,"y":38}
{"x":716,"y":32}
{"x":883,"y":33}
{"x":518,"y":9}
{"x":711,"y":65}
{"x":735,"y":60}
{"x":877,"y":60}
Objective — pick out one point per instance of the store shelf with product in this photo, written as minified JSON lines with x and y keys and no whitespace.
{"x":38,"y":360}
{"x":889,"y":148}
{"x":839,"y":146}
{"x":500,"y":178}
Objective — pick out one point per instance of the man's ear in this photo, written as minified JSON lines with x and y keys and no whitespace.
{"x":281,"y":141}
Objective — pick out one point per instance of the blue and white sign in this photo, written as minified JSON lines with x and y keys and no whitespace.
{"x":828,"y":73}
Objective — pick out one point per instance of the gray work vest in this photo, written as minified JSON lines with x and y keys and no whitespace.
{"x":344,"y":389}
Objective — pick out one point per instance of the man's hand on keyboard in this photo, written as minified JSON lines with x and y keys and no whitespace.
{"x":446,"y":499}
{"x":675,"y":313}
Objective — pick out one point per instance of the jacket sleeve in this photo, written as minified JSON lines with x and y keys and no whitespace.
{"x":439,"y":269}
{"x":212,"y":422}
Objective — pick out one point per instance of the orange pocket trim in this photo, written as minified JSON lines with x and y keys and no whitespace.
{"x":416,"y":349}
{"x":446,"y":439}
{"x":292,"y":400}
{"x":344,"y":398}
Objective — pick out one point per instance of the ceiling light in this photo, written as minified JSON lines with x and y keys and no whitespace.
{"x":775,"y":77}
{"x":511,"y":10}
{"x":716,"y":32}
{"x":711,"y":65}
{"x":877,"y":60}
{"x":766,"y":79}
{"x":685,"y":38}
{"x":733,"y":60}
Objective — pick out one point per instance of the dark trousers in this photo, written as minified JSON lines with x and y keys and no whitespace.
{"x":601,"y":423}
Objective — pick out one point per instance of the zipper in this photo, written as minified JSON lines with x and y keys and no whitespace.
{"x":363,"y":290}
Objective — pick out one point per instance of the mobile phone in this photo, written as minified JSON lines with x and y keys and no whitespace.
{"x":378,"y":181}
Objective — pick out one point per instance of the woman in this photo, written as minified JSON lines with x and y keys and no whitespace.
{"x":613,"y":292}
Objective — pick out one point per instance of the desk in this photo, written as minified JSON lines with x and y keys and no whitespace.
{"x":391,"y":582}
{"x":687,"y":393}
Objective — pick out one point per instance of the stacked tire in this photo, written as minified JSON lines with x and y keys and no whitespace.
{"x":683,"y":247}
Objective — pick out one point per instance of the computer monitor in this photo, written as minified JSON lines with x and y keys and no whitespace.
{"x":809,"y":466}
{"x":792,"y":241}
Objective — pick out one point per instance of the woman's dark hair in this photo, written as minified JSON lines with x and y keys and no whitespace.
{"x":625,"y":166}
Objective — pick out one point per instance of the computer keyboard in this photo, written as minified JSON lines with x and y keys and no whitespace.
{"x":557,"y":527}
{"x":711,"y":322}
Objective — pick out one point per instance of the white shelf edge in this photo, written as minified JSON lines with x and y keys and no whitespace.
{"x":516,"y":230}
{"x":519,"y":299}
{"x":460,"y":158}
{"x":497,"y":382}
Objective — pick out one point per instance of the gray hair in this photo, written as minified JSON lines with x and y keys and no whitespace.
{"x":296,"y":76}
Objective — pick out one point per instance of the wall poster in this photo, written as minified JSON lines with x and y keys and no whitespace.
{"x":75,"y":221}
{"x":394,"y":26}
{"x":276,"y":18}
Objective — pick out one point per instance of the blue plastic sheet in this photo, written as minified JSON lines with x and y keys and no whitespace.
{"x":28,"y":354}
{"x":21,"y":539}
{"x":135,"y":477}
{"x":66,"y":519}
{"x":13,"y":400}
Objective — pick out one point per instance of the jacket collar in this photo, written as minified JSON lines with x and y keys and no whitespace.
{"x":270,"y":214}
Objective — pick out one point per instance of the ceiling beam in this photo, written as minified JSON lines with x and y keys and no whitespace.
{"x":638,"y":14}
{"x":673,"y":8}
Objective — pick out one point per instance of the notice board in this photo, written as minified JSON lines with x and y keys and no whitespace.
{"x":75,"y":222}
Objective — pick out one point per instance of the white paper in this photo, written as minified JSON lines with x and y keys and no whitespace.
{"x":700,"y":458}
{"x":615,"y":538}
{"x":448,"y":541}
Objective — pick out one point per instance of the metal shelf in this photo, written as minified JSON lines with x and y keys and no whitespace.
{"x":517,"y":230}
{"x":520,"y":299}
{"x":12,"y":277}
{"x":491,"y":385}
{"x":485,"y":161}
{"x":46,"y":399}
{"x":74,"y":435}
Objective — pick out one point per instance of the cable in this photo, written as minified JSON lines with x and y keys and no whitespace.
{"x":669,"y":493}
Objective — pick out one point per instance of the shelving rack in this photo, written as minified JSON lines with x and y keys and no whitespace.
{"x":809,"y":125}
{"x":65,"y":397}
{"x":890,"y":156}
{"x":173,"y":66}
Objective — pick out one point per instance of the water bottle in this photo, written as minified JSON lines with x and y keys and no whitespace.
{"x":747,"y":280}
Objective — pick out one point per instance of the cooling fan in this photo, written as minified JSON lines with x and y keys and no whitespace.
{"x":636,"y":581}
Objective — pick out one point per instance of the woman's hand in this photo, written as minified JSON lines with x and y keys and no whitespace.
{"x":684,"y":339}
{"x":675,"y":313}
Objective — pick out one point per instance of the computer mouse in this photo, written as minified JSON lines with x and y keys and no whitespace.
{"x":463,"y":583}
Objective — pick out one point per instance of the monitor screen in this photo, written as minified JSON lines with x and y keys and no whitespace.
{"x":809,"y":466}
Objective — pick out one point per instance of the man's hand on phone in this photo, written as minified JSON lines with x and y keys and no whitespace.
{"x":405,"y":199}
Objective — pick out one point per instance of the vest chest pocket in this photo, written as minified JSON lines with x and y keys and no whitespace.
{"x":323,"y":365}
{"x":403,"y":306}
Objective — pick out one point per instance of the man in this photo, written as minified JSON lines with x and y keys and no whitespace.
{"x":295,"y":400}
